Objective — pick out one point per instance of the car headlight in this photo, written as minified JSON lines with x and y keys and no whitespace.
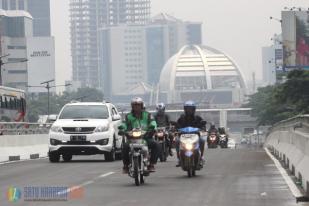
{"x":56,"y":129}
{"x":102,"y":128}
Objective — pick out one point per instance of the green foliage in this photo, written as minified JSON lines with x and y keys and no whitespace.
{"x":37,"y":105}
{"x":275,"y":103}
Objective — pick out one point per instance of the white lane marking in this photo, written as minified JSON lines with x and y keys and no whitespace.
{"x":295,"y":191}
{"x":84,"y":184}
{"x":26,"y":160}
{"x":105,"y":175}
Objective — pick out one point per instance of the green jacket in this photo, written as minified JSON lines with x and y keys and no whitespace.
{"x":144,"y":122}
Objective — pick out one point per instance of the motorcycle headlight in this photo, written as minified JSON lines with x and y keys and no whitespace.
{"x":160,"y":134}
{"x":136,"y":134}
{"x":102,"y":128}
{"x":189,"y":146}
{"x":56,"y":129}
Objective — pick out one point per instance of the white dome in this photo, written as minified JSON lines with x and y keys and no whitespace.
{"x":199,"y":68}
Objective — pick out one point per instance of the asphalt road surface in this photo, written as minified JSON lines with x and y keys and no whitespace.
{"x":240,"y":177}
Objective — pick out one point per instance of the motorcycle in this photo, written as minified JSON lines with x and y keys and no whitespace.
{"x":138,"y":160}
{"x":161,"y":136}
{"x":190,"y":156}
{"x":212,"y":140}
{"x":223,"y":141}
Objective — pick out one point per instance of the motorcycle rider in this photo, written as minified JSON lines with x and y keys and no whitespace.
{"x":221,"y":131}
{"x":189,"y":119}
{"x":139,"y":118}
{"x":163,"y":120}
{"x":213,"y":129}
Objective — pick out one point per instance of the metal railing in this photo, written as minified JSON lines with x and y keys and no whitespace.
{"x":300,"y":122}
{"x":22,"y":128}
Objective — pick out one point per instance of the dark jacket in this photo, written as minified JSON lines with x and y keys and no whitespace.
{"x":163,"y":120}
{"x":190,"y":121}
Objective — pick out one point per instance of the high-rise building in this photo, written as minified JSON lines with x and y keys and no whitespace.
{"x":131,"y":54}
{"x":28,"y":60}
{"x":39,"y":10}
{"x":87,"y":17}
{"x":165,"y":35}
{"x":272,"y":59}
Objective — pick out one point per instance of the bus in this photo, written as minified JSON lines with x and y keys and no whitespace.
{"x":12,"y":104}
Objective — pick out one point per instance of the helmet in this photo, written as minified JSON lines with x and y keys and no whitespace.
{"x":160,"y":107}
{"x":189,"y":108}
{"x":190,"y":104}
{"x":137,"y":100}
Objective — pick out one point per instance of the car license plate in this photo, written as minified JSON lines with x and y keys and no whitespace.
{"x":78,"y":138}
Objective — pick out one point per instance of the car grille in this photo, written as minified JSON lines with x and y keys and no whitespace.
{"x":78,"y":130}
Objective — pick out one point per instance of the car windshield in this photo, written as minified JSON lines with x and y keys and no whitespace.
{"x":84,"y":112}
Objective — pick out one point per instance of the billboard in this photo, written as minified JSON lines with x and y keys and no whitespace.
{"x":295,"y":33}
{"x":41,"y":62}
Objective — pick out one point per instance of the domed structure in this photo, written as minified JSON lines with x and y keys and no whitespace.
{"x":202,"y":74}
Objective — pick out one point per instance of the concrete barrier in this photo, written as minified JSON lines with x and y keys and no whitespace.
{"x":289,"y":142}
{"x":21,"y":147}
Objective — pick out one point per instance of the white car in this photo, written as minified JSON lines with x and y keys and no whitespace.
{"x":85,"y":129}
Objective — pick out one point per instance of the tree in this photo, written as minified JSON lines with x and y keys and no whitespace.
{"x":275,"y":103}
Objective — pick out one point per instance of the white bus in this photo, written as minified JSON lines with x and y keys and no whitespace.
{"x":13,"y":104}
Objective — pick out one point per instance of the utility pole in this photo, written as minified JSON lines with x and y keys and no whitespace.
{"x":47,"y":86}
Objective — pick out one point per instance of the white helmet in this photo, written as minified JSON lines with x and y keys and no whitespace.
{"x":160,"y":107}
{"x":137,"y":100}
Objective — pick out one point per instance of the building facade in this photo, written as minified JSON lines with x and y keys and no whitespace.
{"x":28,"y":60}
{"x":135,"y":54}
{"x":39,"y":10}
{"x":87,"y":18}
{"x":272,"y":59}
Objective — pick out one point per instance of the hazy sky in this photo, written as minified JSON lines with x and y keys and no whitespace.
{"x":237,"y":27}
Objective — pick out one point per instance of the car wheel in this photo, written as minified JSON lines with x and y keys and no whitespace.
{"x":53,"y":157}
{"x":67,"y":157}
{"x":111,"y":156}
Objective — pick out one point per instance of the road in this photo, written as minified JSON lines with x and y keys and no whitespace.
{"x":241,"y":177}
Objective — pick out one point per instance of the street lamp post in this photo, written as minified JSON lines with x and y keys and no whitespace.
{"x":48,"y":87}
{"x":10,"y":62}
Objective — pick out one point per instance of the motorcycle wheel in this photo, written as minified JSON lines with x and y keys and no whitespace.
{"x":136,"y":173}
{"x":190,"y":172}
{"x":162,"y":154}
{"x":142,"y":181}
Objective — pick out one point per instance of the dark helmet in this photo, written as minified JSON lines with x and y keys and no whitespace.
{"x":137,"y":100}
{"x":189,"y":104}
{"x":189,"y":107}
{"x":160,"y":107}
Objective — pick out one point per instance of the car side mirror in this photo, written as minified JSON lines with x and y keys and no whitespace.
{"x":52,"y":118}
{"x":116,"y":117}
